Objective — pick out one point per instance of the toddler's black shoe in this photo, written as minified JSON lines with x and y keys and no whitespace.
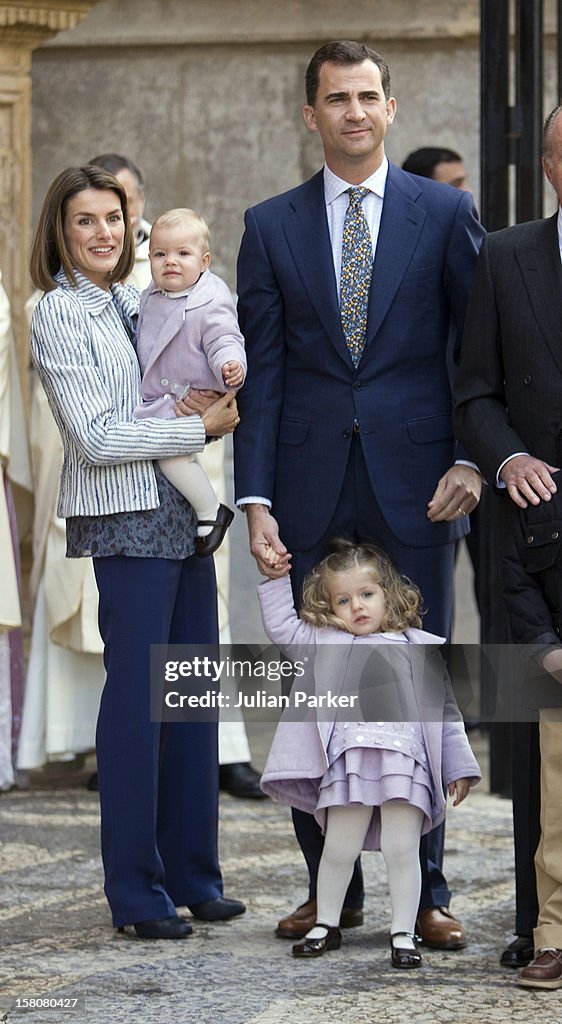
{"x":317,"y":947}
{"x":404,"y":957}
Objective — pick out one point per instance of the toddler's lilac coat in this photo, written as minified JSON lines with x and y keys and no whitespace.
{"x":190,"y":344}
{"x":298,"y":756}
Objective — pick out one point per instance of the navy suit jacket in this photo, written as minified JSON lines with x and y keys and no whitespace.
{"x":303,"y":395}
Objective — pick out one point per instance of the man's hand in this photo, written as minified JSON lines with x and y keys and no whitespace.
{"x":271,"y":555}
{"x":457,"y":494}
{"x":528,"y":480}
{"x":552,"y":663}
{"x":196,"y":402}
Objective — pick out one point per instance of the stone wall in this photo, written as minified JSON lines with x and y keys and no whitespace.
{"x":23,"y":26}
{"x":206,"y":95}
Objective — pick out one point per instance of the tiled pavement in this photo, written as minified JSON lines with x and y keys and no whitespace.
{"x":57,"y":943}
{"x":57,"y":940}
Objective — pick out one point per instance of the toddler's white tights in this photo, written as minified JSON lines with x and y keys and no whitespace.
{"x":346,"y":829}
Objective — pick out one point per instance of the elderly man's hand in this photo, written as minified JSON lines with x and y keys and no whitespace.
{"x":528,"y":480}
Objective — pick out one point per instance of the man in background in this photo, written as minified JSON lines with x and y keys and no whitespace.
{"x":439,"y":163}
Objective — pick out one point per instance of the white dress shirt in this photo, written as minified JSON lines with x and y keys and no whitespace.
{"x":336,"y":194}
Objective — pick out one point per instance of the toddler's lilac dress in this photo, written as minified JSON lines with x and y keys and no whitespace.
{"x":372,"y":762}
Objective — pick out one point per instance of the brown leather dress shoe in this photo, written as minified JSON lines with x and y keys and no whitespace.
{"x":317,"y":947}
{"x":544,"y":972}
{"x":438,"y":929}
{"x":297,"y":924}
{"x":400,"y":956}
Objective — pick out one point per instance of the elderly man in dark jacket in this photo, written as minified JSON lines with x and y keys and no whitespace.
{"x":508,"y":415}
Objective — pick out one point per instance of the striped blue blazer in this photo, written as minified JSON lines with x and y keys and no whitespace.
{"x":81,"y":343}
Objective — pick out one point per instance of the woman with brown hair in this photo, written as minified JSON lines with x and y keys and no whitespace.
{"x":158,"y":781}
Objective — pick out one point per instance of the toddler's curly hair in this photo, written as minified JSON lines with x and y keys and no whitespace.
{"x":403,"y":599}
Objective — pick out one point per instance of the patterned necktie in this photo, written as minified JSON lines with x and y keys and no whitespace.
{"x":356,"y":273}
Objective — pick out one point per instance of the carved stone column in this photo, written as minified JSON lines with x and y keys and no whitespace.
{"x":23,"y":26}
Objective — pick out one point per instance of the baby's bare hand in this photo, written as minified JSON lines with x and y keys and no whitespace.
{"x":232,"y":374}
{"x":271,"y":556}
{"x":461,"y":787}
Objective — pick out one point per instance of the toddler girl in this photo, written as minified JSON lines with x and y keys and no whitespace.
{"x":370,"y":784}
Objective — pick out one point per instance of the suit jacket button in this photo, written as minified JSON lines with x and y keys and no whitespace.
{"x":530,"y":539}
{"x":346,"y":434}
{"x":357,"y":385}
{"x":527,"y":378}
{"x":555,"y":535}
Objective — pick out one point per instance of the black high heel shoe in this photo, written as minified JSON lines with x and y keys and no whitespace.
{"x":317,"y":947}
{"x":162,"y":928}
{"x":219,"y":909}
{"x":401,"y":957}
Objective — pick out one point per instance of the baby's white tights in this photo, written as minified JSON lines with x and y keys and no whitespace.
{"x":346,"y":828}
{"x":190,"y":479}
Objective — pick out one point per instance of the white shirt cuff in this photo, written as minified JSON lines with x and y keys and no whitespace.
{"x":499,"y":483}
{"x":253,"y":501}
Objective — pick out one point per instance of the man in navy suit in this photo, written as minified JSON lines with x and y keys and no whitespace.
{"x":336,"y":443}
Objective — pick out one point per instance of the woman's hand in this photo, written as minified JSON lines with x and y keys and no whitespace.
{"x":221,"y":417}
{"x":196,"y":402}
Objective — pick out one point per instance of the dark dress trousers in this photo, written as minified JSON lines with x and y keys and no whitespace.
{"x":154,"y":774}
